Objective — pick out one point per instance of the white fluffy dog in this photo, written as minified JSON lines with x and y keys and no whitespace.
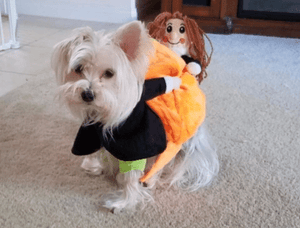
{"x":101,"y":80}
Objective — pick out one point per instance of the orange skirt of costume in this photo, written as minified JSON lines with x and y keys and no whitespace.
{"x":181,"y":111}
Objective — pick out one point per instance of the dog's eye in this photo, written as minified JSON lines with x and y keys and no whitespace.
{"x":78,"y":69}
{"x":109,"y":73}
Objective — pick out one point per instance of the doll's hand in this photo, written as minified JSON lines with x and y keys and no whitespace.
{"x":172,"y":83}
{"x":176,"y":82}
{"x":193,"y":68}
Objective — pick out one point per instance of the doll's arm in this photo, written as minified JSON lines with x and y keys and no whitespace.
{"x":193,"y":66}
{"x":172,"y":83}
{"x":158,"y":86}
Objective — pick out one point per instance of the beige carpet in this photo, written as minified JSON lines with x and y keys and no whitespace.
{"x":255,"y":124}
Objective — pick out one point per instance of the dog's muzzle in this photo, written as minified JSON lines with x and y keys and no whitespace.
{"x":88,"y":95}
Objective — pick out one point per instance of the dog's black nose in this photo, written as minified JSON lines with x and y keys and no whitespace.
{"x":87,"y":96}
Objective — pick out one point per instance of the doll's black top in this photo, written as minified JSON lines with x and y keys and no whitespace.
{"x":141,"y":135}
{"x":189,"y":59}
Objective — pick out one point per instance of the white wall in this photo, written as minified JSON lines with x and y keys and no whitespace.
{"x":116,"y":11}
{"x":2,"y":6}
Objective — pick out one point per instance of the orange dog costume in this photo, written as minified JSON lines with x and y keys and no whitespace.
{"x":181,"y":111}
{"x":179,"y":114}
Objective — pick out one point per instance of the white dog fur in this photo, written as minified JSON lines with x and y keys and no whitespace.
{"x":113,"y":67}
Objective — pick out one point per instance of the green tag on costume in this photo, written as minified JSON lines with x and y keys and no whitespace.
{"x":126,"y":166}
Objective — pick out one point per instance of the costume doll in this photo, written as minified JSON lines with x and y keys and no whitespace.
{"x":182,"y":35}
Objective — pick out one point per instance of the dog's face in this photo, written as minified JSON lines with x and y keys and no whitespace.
{"x":101,"y":76}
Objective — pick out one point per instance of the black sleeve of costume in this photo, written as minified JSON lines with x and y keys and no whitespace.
{"x":141,"y":135}
{"x":87,"y":141}
{"x":153,"y":88}
{"x":188,"y":59}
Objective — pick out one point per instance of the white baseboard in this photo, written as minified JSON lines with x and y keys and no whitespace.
{"x":114,"y":11}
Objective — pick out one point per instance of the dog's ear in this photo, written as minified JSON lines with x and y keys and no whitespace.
{"x":62,"y":51}
{"x":135,"y":42}
{"x":85,"y":34}
{"x":130,"y":37}
{"x":60,"y":59}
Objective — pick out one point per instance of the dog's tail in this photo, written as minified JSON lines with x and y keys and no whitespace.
{"x":199,"y":162}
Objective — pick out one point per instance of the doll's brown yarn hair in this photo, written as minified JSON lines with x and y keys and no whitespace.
{"x":195,"y":37}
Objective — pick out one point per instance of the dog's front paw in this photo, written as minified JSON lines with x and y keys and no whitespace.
{"x":92,"y":165}
{"x":114,"y":201}
{"x":131,"y":194}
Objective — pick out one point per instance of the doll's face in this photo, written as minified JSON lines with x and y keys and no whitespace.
{"x":175,"y":36}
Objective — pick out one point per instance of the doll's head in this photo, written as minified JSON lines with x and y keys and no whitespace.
{"x":182,"y":35}
{"x":175,"y":36}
